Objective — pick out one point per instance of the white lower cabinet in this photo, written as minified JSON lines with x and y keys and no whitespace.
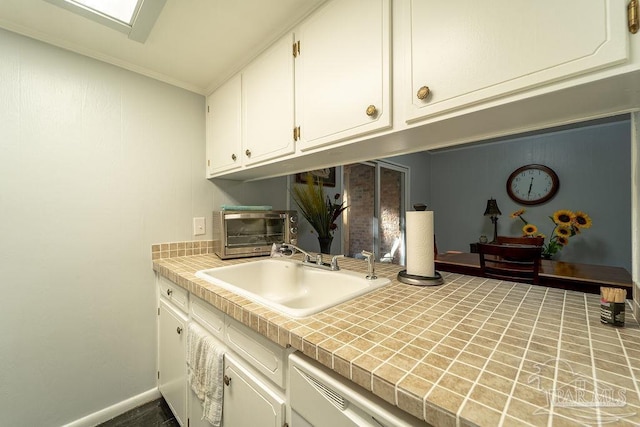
{"x":172,"y":369}
{"x":248,"y":400}
{"x":265,"y":385}
{"x":254,"y":367}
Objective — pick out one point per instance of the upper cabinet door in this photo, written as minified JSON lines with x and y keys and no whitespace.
{"x":468,"y":51}
{"x":268,"y":104}
{"x":342,"y":71}
{"x":224,"y":131}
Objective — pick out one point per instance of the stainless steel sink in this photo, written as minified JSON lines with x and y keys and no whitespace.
{"x":290,"y":287}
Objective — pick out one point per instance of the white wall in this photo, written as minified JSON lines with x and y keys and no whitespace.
{"x":97,"y":163}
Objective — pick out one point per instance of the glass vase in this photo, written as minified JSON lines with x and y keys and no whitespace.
{"x":325,"y":244}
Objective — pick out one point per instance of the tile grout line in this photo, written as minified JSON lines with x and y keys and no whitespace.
{"x":333,"y":353}
{"x":555,"y":373}
{"x":398,"y":351}
{"x":424,"y":400}
{"x":515,"y":381}
{"x":497,"y":285}
{"x":483,"y":369}
{"x":593,"y":361}
{"x":633,"y":376}
{"x":462,"y":286}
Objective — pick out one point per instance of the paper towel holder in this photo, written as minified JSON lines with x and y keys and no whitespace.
{"x":412,"y":279}
{"x":416,"y":280}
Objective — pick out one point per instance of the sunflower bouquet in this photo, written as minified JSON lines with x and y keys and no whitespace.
{"x":566,"y":224}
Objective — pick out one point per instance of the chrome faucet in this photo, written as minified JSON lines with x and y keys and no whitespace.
{"x":371,"y":268}
{"x":311,"y":260}
{"x":293,"y":249}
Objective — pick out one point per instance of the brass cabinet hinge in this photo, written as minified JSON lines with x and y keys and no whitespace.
{"x":158,"y":374}
{"x":296,"y":49}
{"x":632,"y":16}
{"x":158,"y":311}
{"x":296,"y":133}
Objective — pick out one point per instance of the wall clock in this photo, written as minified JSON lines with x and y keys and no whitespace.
{"x":532,"y":184}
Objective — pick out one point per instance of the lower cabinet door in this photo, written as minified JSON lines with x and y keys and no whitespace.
{"x":248,"y":400}
{"x":172,"y":366}
{"x":196,"y":412}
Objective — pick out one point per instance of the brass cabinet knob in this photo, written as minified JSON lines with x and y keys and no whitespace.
{"x":423,"y":92}
{"x":169,"y":292}
{"x":372,"y":110}
{"x":248,"y":152}
{"x":233,"y":157}
{"x":227,"y":380}
{"x":179,"y":330}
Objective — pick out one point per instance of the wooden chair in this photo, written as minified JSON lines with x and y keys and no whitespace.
{"x":517,"y":263}
{"x":533,"y":241}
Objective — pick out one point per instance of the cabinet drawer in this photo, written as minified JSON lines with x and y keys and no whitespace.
{"x":210,"y":318}
{"x":265,"y":356}
{"x":174,"y":293}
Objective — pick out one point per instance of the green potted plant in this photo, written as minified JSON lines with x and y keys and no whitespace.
{"x":318,"y":209}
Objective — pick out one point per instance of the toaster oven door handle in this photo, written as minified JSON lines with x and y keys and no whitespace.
{"x":255,"y":215}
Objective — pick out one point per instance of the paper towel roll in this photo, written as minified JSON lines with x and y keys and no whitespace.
{"x":420,"y":256}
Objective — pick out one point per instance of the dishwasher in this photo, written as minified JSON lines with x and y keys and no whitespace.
{"x":320,"y":397}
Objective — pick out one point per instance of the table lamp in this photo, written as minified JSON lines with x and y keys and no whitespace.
{"x":493,"y":211}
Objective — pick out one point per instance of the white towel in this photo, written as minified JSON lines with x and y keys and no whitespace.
{"x":205,"y":371}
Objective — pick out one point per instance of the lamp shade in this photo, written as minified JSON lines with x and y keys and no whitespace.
{"x":492,"y":208}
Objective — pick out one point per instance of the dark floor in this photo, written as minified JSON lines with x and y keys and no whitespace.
{"x":152,"y":414}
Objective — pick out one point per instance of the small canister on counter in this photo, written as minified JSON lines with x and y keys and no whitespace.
{"x":612,"y":302}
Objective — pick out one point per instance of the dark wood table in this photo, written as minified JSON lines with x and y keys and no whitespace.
{"x":555,"y":274}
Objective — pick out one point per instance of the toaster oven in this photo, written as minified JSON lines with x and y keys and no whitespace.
{"x":238,"y":234}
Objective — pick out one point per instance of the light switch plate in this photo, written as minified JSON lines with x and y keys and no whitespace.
{"x":198,"y":226}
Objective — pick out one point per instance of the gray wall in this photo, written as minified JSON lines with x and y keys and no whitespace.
{"x":593,"y":164}
{"x":98,"y":163}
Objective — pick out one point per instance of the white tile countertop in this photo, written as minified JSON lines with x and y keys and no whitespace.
{"x":473,"y":351}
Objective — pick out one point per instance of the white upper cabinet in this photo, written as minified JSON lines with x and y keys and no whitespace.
{"x":250,"y":119}
{"x":268,"y":104}
{"x":468,"y":52}
{"x":224,"y":131}
{"x":342,"y":72}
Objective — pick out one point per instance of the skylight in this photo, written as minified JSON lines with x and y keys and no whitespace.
{"x":121,"y":10}
{"x":135,"y":18}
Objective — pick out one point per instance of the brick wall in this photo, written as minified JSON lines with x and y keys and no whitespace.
{"x":359,"y":184}
{"x":359,"y":180}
